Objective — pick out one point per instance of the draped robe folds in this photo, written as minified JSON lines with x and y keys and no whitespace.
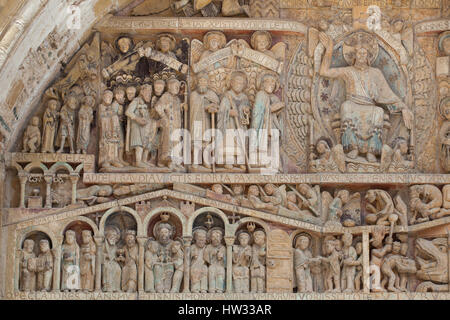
{"x":67,"y":126}
{"x":111,"y":136}
{"x":163,"y":268}
{"x":199,"y":113}
{"x":49,"y":125}
{"x":258,"y":263}
{"x":129,"y":270}
{"x":263,"y":118}
{"x":361,"y":119}
{"x":241,"y":258}
{"x":231,"y":101}
{"x":302,"y":270}
{"x":199,"y":270}
{"x":137,"y":135}
{"x":87,"y":265}
{"x":28,"y":271}
{"x":70,"y":267}
{"x":169,"y":109}
{"x":216,"y":269}
{"x":85,"y":116}
{"x":111,"y":272}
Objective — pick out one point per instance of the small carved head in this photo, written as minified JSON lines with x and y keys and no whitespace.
{"x":35,"y":121}
{"x":28,"y":245}
{"x":238,"y":81}
{"x":107,"y":97}
{"x":164,"y":232}
{"x":119,"y":95}
{"x":146,"y":92}
{"x":358,"y":248}
{"x":112,"y":236}
{"x":214,"y":40}
{"x":270,"y":189}
{"x":200,"y":236}
{"x":244,"y":238}
{"x":70,"y":237}
{"x":86,"y":236}
{"x":202,"y":82}
{"x":237,"y":189}
{"x":396,"y":247}
{"x":217,"y":188}
{"x":259,"y":237}
{"x":347,"y":239}
{"x":216,"y":236}
{"x":253,"y":191}
{"x":130,"y":238}
{"x":166,"y":42}
{"x":159,"y":86}
{"x":261,"y":40}
{"x":124,"y":44}
{"x":131,"y":93}
{"x":44,"y":245}
{"x":53,"y":104}
{"x":303,"y":241}
{"x":173,"y":86}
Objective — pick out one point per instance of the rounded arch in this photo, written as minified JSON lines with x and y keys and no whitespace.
{"x":67,"y":222}
{"x":263,"y":224}
{"x":26,"y":232}
{"x":171,"y":210}
{"x":220,"y":213}
{"x":61,"y":165}
{"x":140,"y":229}
{"x":36,"y":165}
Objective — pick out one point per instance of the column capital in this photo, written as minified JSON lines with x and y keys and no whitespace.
{"x":229,"y":240}
{"x":187,"y":240}
{"x":99,"y":240}
{"x":141,"y":240}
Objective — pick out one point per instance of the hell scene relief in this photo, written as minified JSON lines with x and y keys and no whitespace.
{"x":240,"y":149}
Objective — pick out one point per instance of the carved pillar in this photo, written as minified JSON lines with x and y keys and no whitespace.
{"x":366,"y":262}
{"x":48,"y":193}
{"x":23,"y":182}
{"x":229,"y":242}
{"x":98,"y":264}
{"x":74,"y":179}
{"x":141,"y":241}
{"x":187,"y":263}
{"x":57,"y":264}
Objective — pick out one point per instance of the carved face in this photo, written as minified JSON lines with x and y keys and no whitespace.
{"x":269,"y":84}
{"x":238,"y":84}
{"x":107,"y":98}
{"x":176,"y":246}
{"x":238,"y":189}
{"x":347,"y":239}
{"x":329,"y":246}
{"x":217,"y":188}
{"x":146,"y":93}
{"x":53,"y":105}
{"x":72,"y":103}
{"x":446,"y":110}
{"x":253,"y":191}
{"x":70,"y":238}
{"x":361,"y":56}
{"x":111,"y":237}
{"x":322,"y":147}
{"x":131,"y":93}
{"x":262,"y":43}
{"x":35,"y":121}
{"x":396,"y":247}
{"x":291,"y":197}
{"x":244,"y":239}
{"x":165,"y":44}
{"x":302,"y":243}
{"x":44,"y":246}
{"x":214,"y":43}
{"x":124,"y":45}
{"x":200,"y":239}
{"x":174,"y":87}
{"x":202,"y":84}
{"x":159,"y":87}
{"x":130,"y":240}
{"x":270,"y":189}
{"x":403,"y":147}
{"x":397,"y":26}
{"x":216,"y":238}
{"x":358,"y":248}
{"x":323,"y":25}
{"x":371,"y":196}
{"x":120,"y":96}
{"x":28,"y":245}
{"x":86,"y":237}
{"x":344,"y":195}
{"x":259,"y":238}
{"x":164,"y":235}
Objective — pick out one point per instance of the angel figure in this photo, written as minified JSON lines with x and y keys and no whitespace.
{"x":444,"y":134}
{"x":215,"y":57}
{"x":262,"y":56}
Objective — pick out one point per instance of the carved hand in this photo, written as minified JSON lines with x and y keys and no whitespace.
{"x":408,"y":118}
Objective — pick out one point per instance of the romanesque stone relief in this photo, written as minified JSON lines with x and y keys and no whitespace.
{"x":176,"y":157}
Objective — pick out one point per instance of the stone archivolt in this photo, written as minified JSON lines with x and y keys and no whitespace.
{"x":97,"y":203}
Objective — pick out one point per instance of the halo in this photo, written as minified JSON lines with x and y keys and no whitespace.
{"x":360,"y":40}
{"x":444,"y":35}
{"x":222,"y":38}
{"x":159,"y":223}
{"x":442,"y":104}
{"x":167,"y":35}
{"x":260,"y":33}
{"x":303,"y":234}
{"x":263,"y":75}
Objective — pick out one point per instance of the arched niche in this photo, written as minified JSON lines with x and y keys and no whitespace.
{"x":121,"y":217}
{"x":245,"y":225}
{"x":79,"y":225}
{"x":37,"y":236}
{"x":176,"y":219}
{"x":219,"y":219}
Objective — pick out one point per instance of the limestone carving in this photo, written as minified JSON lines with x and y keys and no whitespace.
{"x":85,"y":118}
{"x":32,"y":137}
{"x":242,"y":255}
{"x":111,"y":269}
{"x":258,"y":262}
{"x":44,"y":266}
{"x":215,"y":257}
{"x":303,"y":261}
{"x":70,"y":251}
{"x":28,"y":267}
{"x":199,"y":269}
{"x":88,"y":250}
{"x":130,"y":262}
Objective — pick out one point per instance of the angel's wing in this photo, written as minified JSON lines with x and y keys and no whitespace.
{"x":196,"y":50}
{"x":279,"y":50}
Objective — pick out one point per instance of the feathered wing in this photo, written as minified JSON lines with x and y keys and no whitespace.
{"x":339,"y":157}
{"x":279,"y":50}
{"x":196,"y":50}
{"x":326,"y":201}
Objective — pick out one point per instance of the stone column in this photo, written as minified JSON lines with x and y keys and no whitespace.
{"x":98,"y":264}
{"x":141,"y":241}
{"x":57,"y":263}
{"x":366,"y":262}
{"x":229,"y":242}
{"x":48,"y":193}
{"x":187,"y":263}
{"x":74,"y":179}
{"x":23,"y":182}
